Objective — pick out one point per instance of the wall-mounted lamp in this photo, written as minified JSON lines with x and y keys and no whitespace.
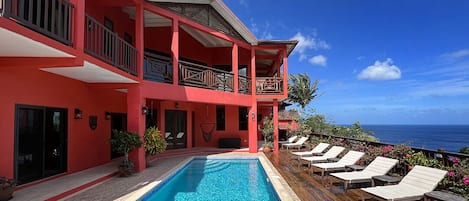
{"x":78,"y":114}
{"x":253,"y":116}
{"x":144,"y":110}
{"x":176,"y":105}
{"x":107,"y":115}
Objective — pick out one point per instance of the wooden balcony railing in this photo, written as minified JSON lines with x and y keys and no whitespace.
{"x":106,"y":45}
{"x":269,"y":85}
{"x":244,"y":84}
{"x":157,"y":68}
{"x":53,"y":18}
{"x":196,"y":75}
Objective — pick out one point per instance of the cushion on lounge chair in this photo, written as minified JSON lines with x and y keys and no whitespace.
{"x":348,"y":159}
{"x":316,"y":150}
{"x":298,"y":144}
{"x":413,"y":186}
{"x":289,"y":140}
{"x":379,"y":166}
{"x":331,"y":153}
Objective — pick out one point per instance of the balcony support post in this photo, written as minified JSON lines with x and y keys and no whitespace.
{"x":139,"y":38}
{"x":275,"y":119}
{"x":79,"y":30}
{"x":136,"y":123}
{"x":175,"y":50}
{"x":285,"y":73}
{"x":234,"y":64}
{"x":252,"y":123}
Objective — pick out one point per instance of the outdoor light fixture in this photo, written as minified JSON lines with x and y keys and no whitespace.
{"x":176,"y":105}
{"x":253,"y":116}
{"x":144,"y":110}
{"x":78,"y":114}
{"x":107,"y":115}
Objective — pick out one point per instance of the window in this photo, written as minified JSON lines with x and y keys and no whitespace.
{"x":243,"y":118}
{"x":220,"y":117}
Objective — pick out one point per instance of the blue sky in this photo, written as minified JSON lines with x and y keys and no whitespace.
{"x":379,"y":61}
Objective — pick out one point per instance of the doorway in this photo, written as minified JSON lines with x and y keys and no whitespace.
{"x":40,"y":142}
{"x":118,"y":122}
{"x":176,"y":129}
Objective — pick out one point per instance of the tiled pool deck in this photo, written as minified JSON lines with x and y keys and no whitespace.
{"x":97,"y":183}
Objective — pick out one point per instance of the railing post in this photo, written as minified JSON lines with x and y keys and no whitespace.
{"x":6,"y":8}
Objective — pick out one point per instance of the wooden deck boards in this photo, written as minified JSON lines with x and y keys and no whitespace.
{"x":306,"y":186}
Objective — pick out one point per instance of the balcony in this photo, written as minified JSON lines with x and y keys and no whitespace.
{"x":106,"y":45}
{"x":269,"y":86}
{"x":159,"y":68}
{"x":53,"y":18}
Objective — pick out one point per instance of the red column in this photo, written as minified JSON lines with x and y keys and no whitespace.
{"x":253,"y":109}
{"x":285,"y":73}
{"x":136,"y":123}
{"x":79,"y":25}
{"x":139,"y":38}
{"x":275,"y":119}
{"x":175,"y":51}
{"x":234,"y":64}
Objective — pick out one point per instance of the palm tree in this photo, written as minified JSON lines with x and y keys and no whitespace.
{"x":301,"y":91}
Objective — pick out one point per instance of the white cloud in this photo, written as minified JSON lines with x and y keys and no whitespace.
{"x":266,"y":32}
{"x":385,"y":70}
{"x":243,"y":3}
{"x":457,"y":54}
{"x":306,"y":43}
{"x":319,"y":60}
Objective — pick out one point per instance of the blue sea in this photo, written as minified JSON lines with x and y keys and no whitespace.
{"x":448,"y":137}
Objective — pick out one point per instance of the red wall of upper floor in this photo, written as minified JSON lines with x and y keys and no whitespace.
{"x":121,"y":20}
{"x":30,"y":86}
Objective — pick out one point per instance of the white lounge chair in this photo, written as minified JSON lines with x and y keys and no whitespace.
{"x":331,"y":153}
{"x":318,"y":149}
{"x":298,"y":144}
{"x":413,"y":186}
{"x":348,"y":159}
{"x":289,"y":140}
{"x":379,"y":166}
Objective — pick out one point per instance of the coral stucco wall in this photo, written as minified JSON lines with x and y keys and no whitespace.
{"x":86,"y":147}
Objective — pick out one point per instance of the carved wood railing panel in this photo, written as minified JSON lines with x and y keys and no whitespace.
{"x":200,"y":76}
{"x":244,"y":84}
{"x":269,"y":85}
{"x":157,"y":68}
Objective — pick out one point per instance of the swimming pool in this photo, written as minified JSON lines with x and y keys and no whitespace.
{"x":216,"y":179}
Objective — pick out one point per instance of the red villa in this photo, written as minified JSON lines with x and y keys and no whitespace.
{"x":72,"y":70}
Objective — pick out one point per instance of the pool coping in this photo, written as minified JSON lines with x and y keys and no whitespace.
{"x":284,"y":192}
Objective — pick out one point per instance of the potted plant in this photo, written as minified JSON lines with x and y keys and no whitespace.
{"x":153,"y":142}
{"x":7,"y":187}
{"x":123,"y":142}
{"x":268,"y":133}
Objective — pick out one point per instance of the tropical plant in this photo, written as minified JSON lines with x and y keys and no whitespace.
{"x":457,"y":179}
{"x":464,"y":150}
{"x":123,"y":142}
{"x":301,"y":91}
{"x":267,"y":129}
{"x":7,"y":187}
{"x":153,"y":142}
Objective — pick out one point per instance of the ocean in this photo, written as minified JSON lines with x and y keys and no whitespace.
{"x":448,"y":137}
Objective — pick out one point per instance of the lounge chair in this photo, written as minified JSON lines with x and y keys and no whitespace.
{"x":379,"y":166}
{"x":331,"y":153}
{"x":348,"y":159}
{"x":289,"y":140}
{"x":413,"y":186}
{"x":298,"y":144}
{"x":318,"y":149}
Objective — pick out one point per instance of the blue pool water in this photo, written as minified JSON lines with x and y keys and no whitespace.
{"x":216,"y":179}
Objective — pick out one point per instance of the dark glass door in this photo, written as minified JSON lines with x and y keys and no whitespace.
{"x":40,"y":142}
{"x":118,"y":122}
{"x":176,"y":128}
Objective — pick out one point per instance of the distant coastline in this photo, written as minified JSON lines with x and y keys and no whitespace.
{"x":448,"y":137}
